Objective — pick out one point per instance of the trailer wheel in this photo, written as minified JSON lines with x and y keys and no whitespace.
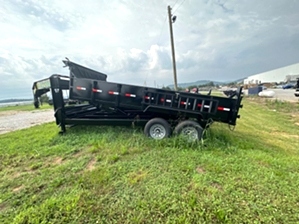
{"x":190,"y":130}
{"x":157,"y":128}
{"x":36,"y":104}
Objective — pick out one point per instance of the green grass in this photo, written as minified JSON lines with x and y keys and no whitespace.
{"x":116,"y":175}
{"x":27,"y":107}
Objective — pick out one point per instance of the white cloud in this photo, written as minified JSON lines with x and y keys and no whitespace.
{"x":129,"y":40}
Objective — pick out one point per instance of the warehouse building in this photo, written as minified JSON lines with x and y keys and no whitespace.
{"x":281,"y":75}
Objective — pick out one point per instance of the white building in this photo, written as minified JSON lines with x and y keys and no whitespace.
{"x":285,"y":74}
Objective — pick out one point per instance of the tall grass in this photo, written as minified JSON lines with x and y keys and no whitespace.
{"x":116,"y":175}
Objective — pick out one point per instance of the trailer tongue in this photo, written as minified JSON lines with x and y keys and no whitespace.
{"x":159,"y":111}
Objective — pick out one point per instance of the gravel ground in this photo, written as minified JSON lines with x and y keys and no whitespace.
{"x":282,"y":94}
{"x":285,"y":94}
{"x":15,"y":120}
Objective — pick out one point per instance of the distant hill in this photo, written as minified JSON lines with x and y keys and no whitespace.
{"x":203,"y":82}
{"x":240,"y":80}
{"x":197,"y":83}
{"x":14,"y":100}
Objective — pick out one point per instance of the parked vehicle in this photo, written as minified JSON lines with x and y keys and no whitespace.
{"x":264,"y":88}
{"x":159,"y":111}
{"x":278,"y":86}
{"x":288,"y":86}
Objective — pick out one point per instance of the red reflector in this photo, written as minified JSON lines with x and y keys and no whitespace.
{"x":223,"y":109}
{"x":162,"y":99}
{"x":80,"y":88}
{"x":130,"y":95}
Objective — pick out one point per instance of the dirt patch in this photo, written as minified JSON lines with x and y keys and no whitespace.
{"x":136,"y":177}
{"x":217,"y":186}
{"x":285,"y":134}
{"x":263,"y":163}
{"x":31,"y":170}
{"x":53,"y":161}
{"x":91,"y":164}
{"x":79,"y":153}
{"x":17,"y":189}
{"x":200,"y":170}
{"x":57,"y":161}
{"x":3,"y":207}
{"x":295,"y":118}
{"x":16,"y":175}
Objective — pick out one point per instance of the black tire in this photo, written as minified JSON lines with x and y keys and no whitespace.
{"x":157,"y":128}
{"x":36,"y":104}
{"x":191,"y":130}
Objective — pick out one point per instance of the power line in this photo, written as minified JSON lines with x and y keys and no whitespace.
{"x":178,"y":7}
{"x":175,"y":3}
{"x":166,"y":18}
{"x":162,"y":29}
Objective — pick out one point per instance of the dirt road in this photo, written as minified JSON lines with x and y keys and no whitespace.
{"x":15,"y":120}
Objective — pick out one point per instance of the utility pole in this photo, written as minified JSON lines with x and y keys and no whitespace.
{"x":172,"y":20}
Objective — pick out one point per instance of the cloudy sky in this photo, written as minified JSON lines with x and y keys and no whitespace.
{"x":129,"y":39}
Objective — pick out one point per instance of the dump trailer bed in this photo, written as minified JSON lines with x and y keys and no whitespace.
{"x":161,"y":111}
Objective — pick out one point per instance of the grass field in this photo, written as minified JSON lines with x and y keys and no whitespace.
{"x":116,"y":175}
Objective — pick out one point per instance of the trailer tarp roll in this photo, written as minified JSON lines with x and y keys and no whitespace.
{"x":82,"y":72}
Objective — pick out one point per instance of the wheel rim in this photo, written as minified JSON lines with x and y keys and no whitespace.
{"x":190,"y":133}
{"x":157,"y":131}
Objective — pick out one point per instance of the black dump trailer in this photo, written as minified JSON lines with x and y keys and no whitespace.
{"x":297,"y":88}
{"x":160,"y":112}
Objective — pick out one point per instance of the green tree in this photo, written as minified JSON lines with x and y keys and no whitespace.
{"x":166,"y":87}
